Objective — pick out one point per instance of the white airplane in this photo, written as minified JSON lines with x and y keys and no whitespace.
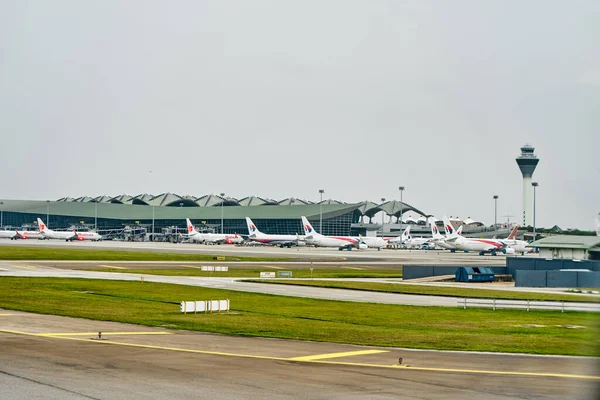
{"x":47,"y":233}
{"x":415,"y":243}
{"x":7,"y":234}
{"x":26,"y":235}
{"x":372,"y":242}
{"x":440,"y":240}
{"x":492,"y":246}
{"x":212,"y":238}
{"x":598,"y":225}
{"x":316,"y":239}
{"x":512,"y":242}
{"x":399,"y":239}
{"x":279,"y":240}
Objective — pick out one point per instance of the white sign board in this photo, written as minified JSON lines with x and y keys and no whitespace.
{"x":267,"y":274}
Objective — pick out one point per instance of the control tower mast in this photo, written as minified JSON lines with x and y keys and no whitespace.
{"x":527,"y":162}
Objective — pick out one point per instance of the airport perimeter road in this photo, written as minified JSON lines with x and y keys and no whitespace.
{"x":54,"y":357}
{"x":385,"y":256}
{"x":31,"y":270}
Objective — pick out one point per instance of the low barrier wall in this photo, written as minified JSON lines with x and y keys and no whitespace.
{"x":204,"y":306}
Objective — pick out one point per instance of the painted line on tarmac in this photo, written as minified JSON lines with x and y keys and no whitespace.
{"x":271,"y":266}
{"x":23,"y":267}
{"x":103,"y":333}
{"x":111,"y":266}
{"x":190,"y":266}
{"x":336,"y":355}
{"x":6,"y":315}
{"x":351,"y":364}
{"x":352,"y":268}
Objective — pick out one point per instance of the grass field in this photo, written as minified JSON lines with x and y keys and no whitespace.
{"x":154,"y":304}
{"x":435,"y":290}
{"x":36,"y":253}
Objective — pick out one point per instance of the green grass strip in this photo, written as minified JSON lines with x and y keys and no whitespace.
{"x":434,"y":290}
{"x":37,"y":253}
{"x":157,"y":304}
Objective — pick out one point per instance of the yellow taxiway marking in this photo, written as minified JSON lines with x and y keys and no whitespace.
{"x":23,"y":266}
{"x":103,"y":333}
{"x":299,"y":360}
{"x":111,"y":266}
{"x":337,"y":355}
{"x":190,"y":266}
{"x":352,"y":268}
{"x":272,"y":266}
{"x":6,"y":315}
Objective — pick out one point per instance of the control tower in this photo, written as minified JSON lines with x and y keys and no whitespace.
{"x":527,"y":162}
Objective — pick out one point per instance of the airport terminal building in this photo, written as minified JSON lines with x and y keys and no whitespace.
{"x":209,"y":213}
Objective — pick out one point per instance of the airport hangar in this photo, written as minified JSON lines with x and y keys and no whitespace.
{"x":168,"y":210}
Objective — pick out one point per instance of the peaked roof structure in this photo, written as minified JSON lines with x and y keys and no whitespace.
{"x":331,"y":201}
{"x":397,"y":208}
{"x":142,"y":199}
{"x":171,"y":200}
{"x":292,"y":201}
{"x":256,"y":201}
{"x":121,"y":199}
{"x":102,"y":199}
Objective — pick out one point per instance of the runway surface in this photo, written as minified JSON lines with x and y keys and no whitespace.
{"x":54,"y":357}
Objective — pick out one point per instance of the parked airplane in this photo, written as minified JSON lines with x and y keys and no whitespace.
{"x":212,"y":238}
{"x":316,"y":239}
{"x":279,"y":240}
{"x":372,"y":242}
{"x":492,"y":246}
{"x":7,"y":234}
{"x":440,"y":240}
{"x":517,"y":245}
{"x":47,"y":233}
{"x":598,"y":225}
{"x":398,"y":240}
{"x":415,"y":243}
{"x":26,"y":235}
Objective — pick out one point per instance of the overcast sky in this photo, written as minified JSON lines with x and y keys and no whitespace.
{"x":281,"y":98}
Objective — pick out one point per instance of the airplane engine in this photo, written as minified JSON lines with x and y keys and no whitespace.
{"x":509,"y":250}
{"x":362,"y":246}
{"x":228,"y":241}
{"x":80,"y":238}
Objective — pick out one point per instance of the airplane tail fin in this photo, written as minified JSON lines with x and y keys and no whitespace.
{"x":190,"y":227}
{"x":459,"y":231}
{"x":406,"y":234}
{"x":252,"y":229}
{"x":448,"y":227}
{"x":598,"y":225}
{"x":41,"y":225}
{"x":513,"y":233}
{"x":308,"y":229}
{"x":435,"y":232}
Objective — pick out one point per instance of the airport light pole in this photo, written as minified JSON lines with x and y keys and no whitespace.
{"x":96,"y":217}
{"x":47,"y":212}
{"x":495,"y":211}
{"x":401,"y":188}
{"x":222,"y":201}
{"x":321,"y":191}
{"x":382,"y":215}
{"x":1,"y":213}
{"x":152,"y":222}
{"x":535,"y":185}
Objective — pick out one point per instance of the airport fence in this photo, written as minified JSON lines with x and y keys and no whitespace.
{"x":496,"y":304}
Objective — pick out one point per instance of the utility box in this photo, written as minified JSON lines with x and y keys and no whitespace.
{"x":474,"y":274}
